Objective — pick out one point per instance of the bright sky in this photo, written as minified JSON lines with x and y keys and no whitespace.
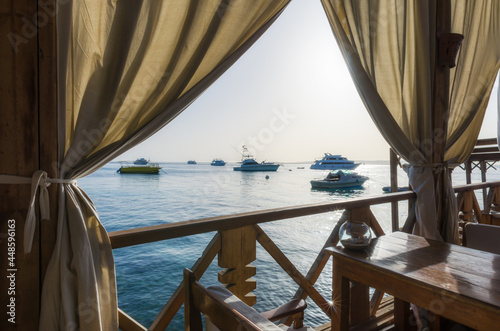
{"x":289,"y":98}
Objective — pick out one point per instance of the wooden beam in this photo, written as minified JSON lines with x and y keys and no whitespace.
{"x":168,"y":312}
{"x":238,"y":250}
{"x":441,"y":89}
{"x":127,"y":323}
{"x":290,"y":269}
{"x":394,"y":162}
{"x":468,"y":171}
{"x":485,"y":157}
{"x":487,"y":141}
{"x":476,"y":186}
{"x":47,"y":82}
{"x":481,"y":150}
{"x":440,"y":107}
{"x":154,"y":233}
{"x":483,"y":179}
{"x":19,"y":153}
{"x":321,"y":260}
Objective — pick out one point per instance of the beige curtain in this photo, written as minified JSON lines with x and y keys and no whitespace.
{"x":389,"y":48}
{"x":126,"y":69}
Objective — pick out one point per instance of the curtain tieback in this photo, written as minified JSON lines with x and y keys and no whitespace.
{"x":39,"y":179}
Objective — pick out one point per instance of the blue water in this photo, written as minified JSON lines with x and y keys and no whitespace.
{"x":148,"y":274}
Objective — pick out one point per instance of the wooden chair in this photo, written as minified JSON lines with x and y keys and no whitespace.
{"x":228,"y":313}
{"x":483,"y":236}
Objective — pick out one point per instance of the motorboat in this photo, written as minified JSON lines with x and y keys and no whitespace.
{"x":141,"y":161}
{"x":339,"y":179}
{"x":248,"y":163}
{"x":218,"y":163}
{"x":191,"y":162}
{"x":334,"y":162}
{"x":149,"y":168}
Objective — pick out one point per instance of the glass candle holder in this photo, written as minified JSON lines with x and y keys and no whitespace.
{"x":355,"y":235}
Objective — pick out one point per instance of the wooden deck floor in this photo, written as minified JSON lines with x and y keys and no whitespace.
{"x":383,"y":320}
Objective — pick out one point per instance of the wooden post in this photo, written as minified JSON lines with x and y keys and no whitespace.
{"x":440,"y":108}
{"x":402,"y":315}
{"x":48,"y":122}
{"x":360,"y":295}
{"x":340,"y":299}
{"x":468,"y":171}
{"x":27,"y":137}
{"x":19,"y":155}
{"x":483,"y":179}
{"x":394,"y":188}
{"x":238,"y":249}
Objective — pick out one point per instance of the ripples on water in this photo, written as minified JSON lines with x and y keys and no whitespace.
{"x":147,"y":275}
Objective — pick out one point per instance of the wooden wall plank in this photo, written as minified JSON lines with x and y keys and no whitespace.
{"x":18,"y":154}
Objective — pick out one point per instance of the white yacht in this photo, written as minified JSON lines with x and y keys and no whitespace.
{"x":248,"y":163}
{"x":333,"y":162}
{"x":339,"y":179}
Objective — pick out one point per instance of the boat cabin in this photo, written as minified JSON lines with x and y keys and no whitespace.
{"x":334,"y":175}
{"x":72,"y":96}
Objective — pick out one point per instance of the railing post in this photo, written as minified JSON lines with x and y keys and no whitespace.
{"x":394,"y":188}
{"x":468,"y":171}
{"x":238,"y":249}
{"x":360,"y":294}
{"x":483,"y":179}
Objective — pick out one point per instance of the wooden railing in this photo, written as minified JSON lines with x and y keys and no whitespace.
{"x":237,"y":234}
{"x":235,"y":245}
{"x":468,"y":205}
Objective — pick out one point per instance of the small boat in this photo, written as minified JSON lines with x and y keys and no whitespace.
{"x":339,"y":179}
{"x":334,"y":162}
{"x":248,"y":163}
{"x":191,"y":162}
{"x":149,"y":168}
{"x":387,"y":189}
{"x":141,"y":161}
{"x":218,"y":163}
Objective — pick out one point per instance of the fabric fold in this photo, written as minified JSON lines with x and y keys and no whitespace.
{"x":126,"y":69}
{"x":389,"y":48}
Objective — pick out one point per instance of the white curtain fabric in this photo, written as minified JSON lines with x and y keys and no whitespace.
{"x":126,"y":69}
{"x":389,"y":48}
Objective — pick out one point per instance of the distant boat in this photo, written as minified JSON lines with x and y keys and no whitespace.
{"x":334,"y":162}
{"x":339,"y":179}
{"x":248,"y":163}
{"x":191,"y":162}
{"x":149,"y":168}
{"x":141,"y":161}
{"x":387,"y":189}
{"x":218,"y":163}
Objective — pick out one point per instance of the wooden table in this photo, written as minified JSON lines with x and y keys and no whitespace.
{"x":455,"y":282}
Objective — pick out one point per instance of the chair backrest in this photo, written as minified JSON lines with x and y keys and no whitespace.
{"x":483,"y":236}
{"x":213,"y":302}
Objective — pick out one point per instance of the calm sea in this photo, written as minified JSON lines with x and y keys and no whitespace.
{"x":148,"y":274}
